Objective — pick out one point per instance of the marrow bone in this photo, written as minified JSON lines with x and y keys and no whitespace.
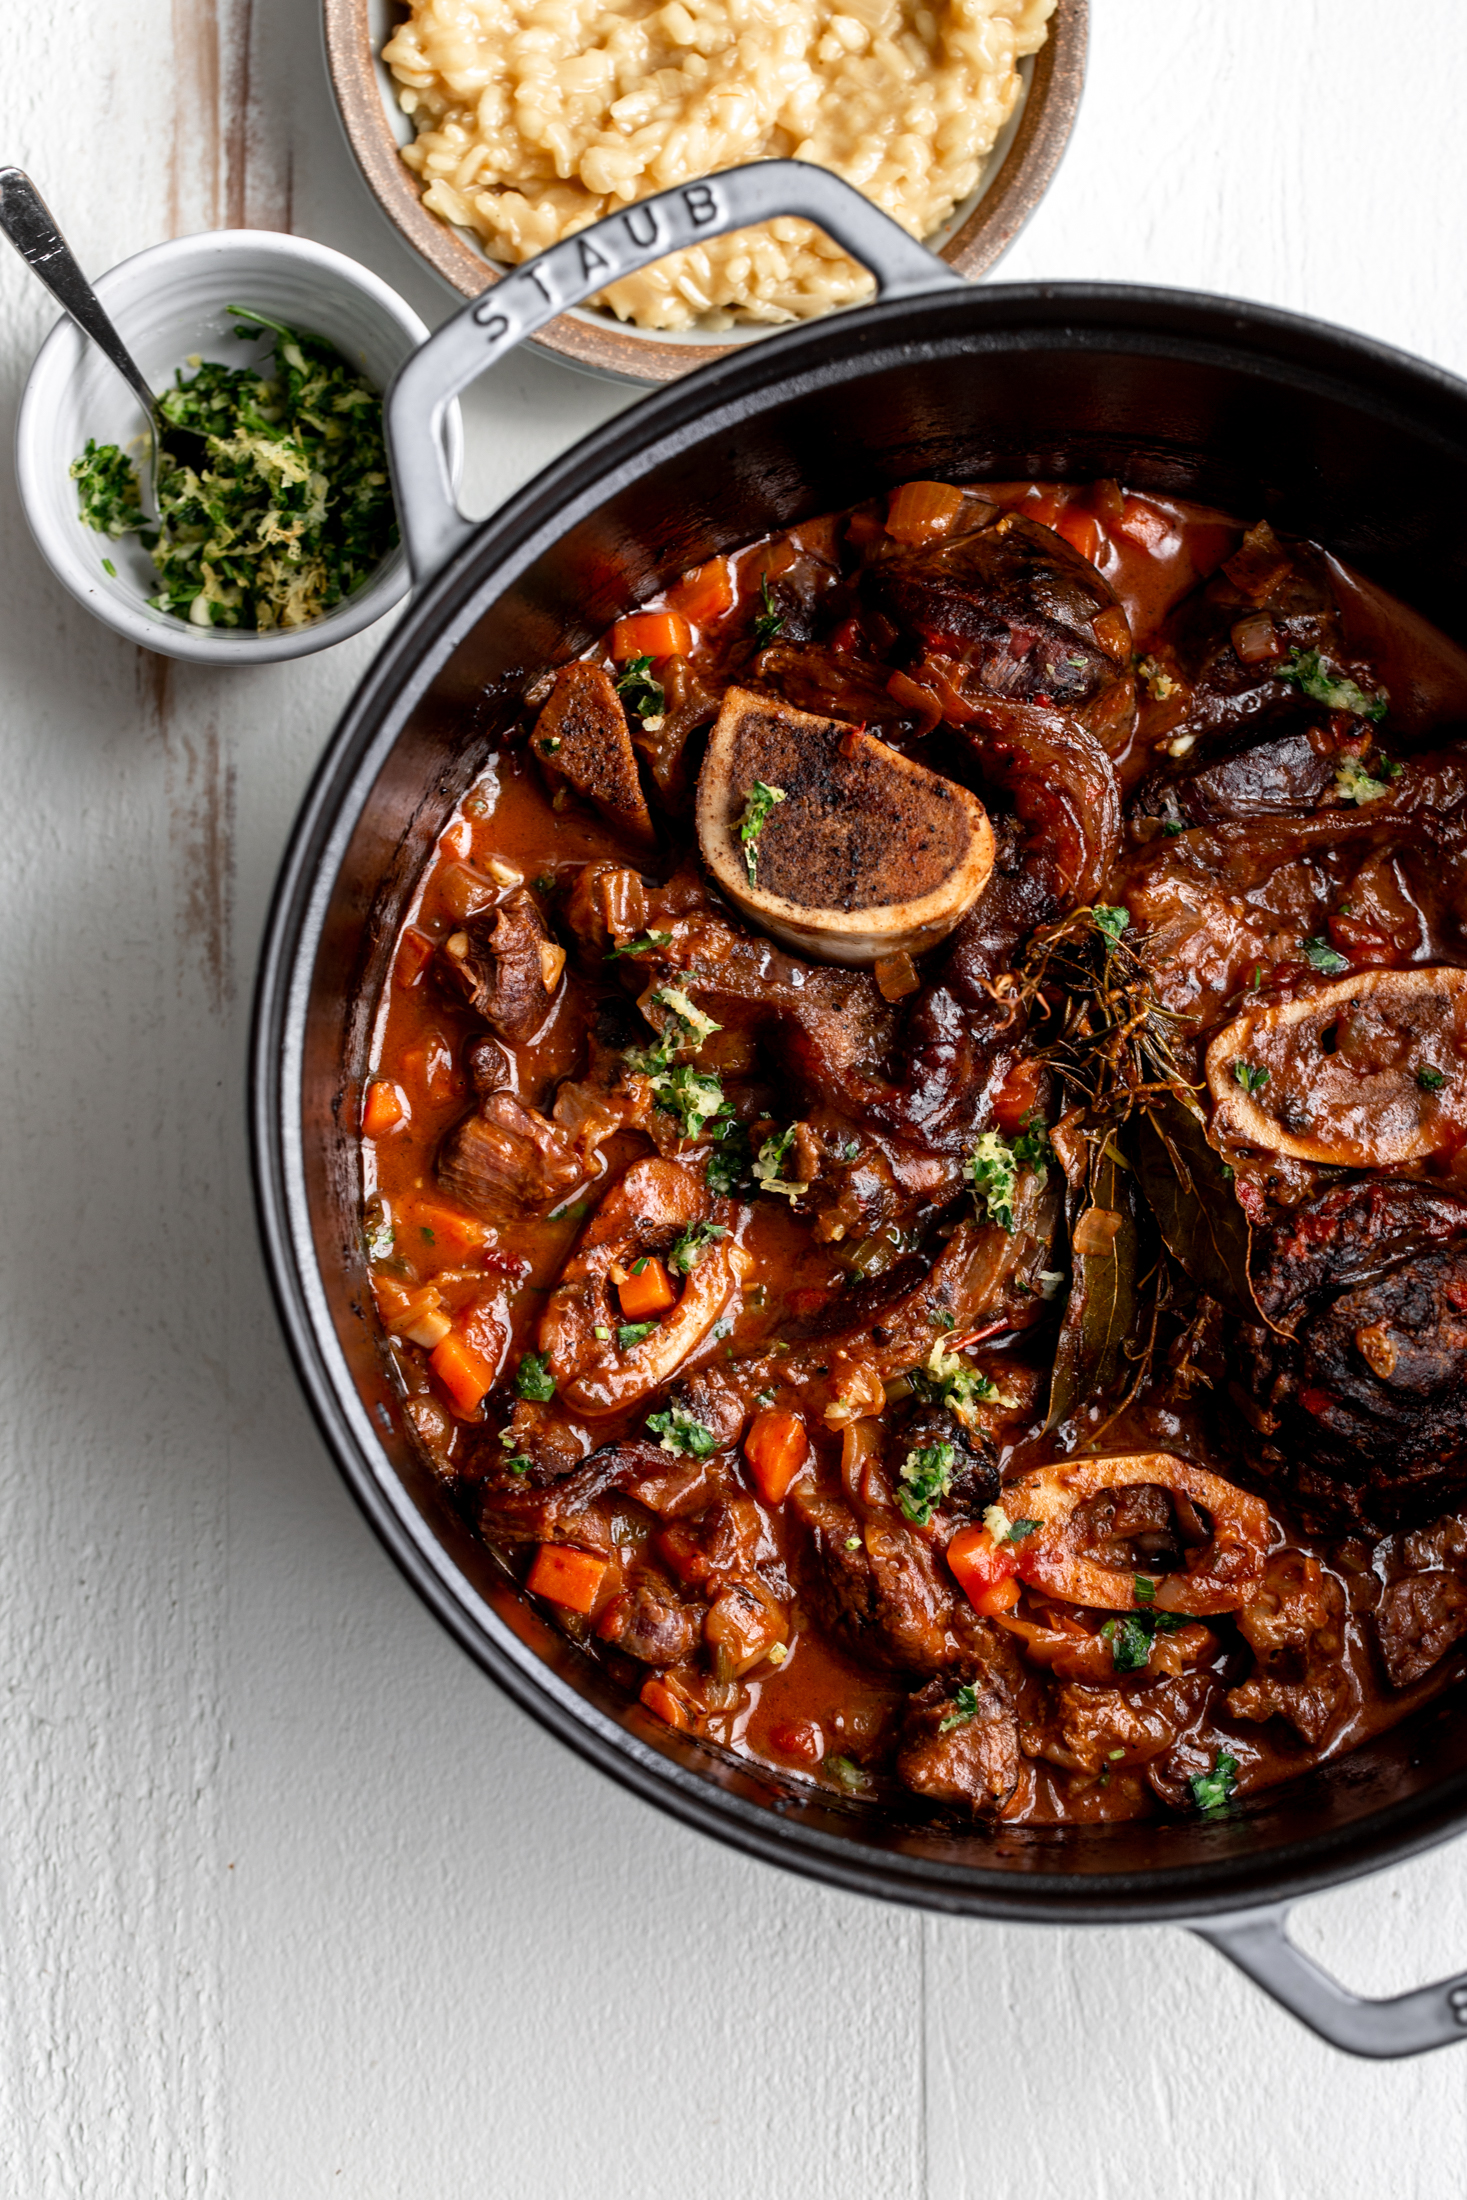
{"x":1367,"y":1073}
{"x":860,"y":853}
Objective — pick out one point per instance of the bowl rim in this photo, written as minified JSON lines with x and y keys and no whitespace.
{"x":56,"y":362}
{"x":600,"y":345}
{"x":1320,"y":357}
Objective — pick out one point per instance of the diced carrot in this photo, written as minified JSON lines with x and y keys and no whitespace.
{"x":566,"y":1576}
{"x":1017,"y":1096}
{"x":896,"y":976}
{"x":920,"y":511}
{"x":651,"y":634}
{"x":985,"y":1571}
{"x":484,"y":1328}
{"x":663,"y":1704}
{"x":436,"y":1236}
{"x":383,"y":1109}
{"x":647,"y":1292}
{"x":1081,"y":531}
{"x":775,"y":1448}
{"x":414,"y":953}
{"x":704,"y":594}
{"x":1042,"y":506}
{"x":465,"y":1375}
{"x":458,"y":840}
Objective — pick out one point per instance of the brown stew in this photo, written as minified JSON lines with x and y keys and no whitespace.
{"x":916,"y":1160}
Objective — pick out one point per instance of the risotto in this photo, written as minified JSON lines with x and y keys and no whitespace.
{"x":535,"y":118}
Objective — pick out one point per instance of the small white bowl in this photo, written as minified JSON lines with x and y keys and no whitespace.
{"x":169,"y":304}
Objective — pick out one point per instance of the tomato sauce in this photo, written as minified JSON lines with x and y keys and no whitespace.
{"x":958,"y":1221}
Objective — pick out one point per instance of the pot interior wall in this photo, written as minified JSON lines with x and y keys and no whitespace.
{"x":1361,"y":451}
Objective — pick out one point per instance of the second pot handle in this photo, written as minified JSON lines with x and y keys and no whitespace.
{"x":484,"y":330}
{"x":1405,"y":2024}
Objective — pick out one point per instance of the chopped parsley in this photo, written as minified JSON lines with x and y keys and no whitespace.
{"x":758,"y":803}
{"x":1311,"y":675}
{"x":1130,"y":1641}
{"x":519,"y":1464}
{"x":1353,"y":783}
{"x":965,"y":1707}
{"x":289,"y":508}
{"x":770,"y":620}
{"x":1252,"y":1076}
{"x":630,"y":1333}
{"x":1144,"y":1589}
{"x":693,"y":1244}
{"x":846,"y":1772}
{"x":649,"y":944}
{"x":995,"y":1165}
{"x":641,"y":695}
{"x":927,"y":1475}
{"x":768,"y":1162}
{"x":730,"y":1164}
{"x":697,"y":1026}
{"x":1112,"y":922}
{"x":682,"y":1433}
{"x":533,"y":1380}
{"x":107,"y":490}
{"x":694,"y":1096}
{"x":1322,"y":956}
{"x":949,"y":1380}
{"x":1213,"y":1791}
{"x":1430,"y":1080}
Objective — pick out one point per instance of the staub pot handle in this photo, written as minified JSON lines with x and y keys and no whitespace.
{"x":1405,"y":2024}
{"x":433,"y":527}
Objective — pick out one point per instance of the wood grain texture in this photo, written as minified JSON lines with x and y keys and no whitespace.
{"x":293,"y":1903}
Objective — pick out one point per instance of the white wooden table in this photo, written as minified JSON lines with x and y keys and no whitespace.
{"x":291,"y":1903}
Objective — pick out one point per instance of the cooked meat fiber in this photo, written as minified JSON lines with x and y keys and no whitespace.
{"x":582,"y":741}
{"x":505,"y":1161}
{"x":1364,"y":1377}
{"x":1012,"y":603}
{"x":507,"y":966}
{"x":959,"y":1740}
{"x":1282,"y":775}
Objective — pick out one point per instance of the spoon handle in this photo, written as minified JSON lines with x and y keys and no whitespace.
{"x":26,"y":221}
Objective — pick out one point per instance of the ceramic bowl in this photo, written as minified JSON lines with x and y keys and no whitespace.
{"x":1015,"y":178}
{"x":169,"y":304}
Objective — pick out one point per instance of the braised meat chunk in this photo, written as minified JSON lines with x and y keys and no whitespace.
{"x":1362,"y":1369}
{"x":1011,"y":605}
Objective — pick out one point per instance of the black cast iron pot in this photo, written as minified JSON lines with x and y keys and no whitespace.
{"x":1329,"y":435}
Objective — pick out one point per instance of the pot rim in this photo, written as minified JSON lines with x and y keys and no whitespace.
{"x":1067,"y":316}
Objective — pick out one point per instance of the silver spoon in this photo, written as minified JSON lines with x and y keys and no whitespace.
{"x":26,"y":221}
